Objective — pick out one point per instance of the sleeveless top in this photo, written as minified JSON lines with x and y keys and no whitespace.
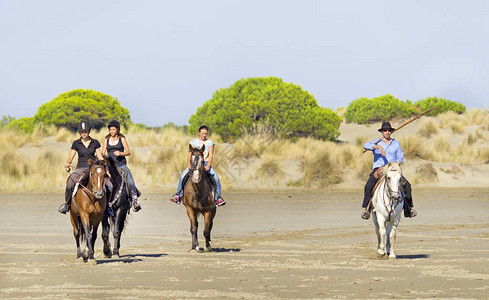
{"x":120,"y":160}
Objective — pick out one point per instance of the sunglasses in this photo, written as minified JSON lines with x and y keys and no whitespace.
{"x":388,"y":130}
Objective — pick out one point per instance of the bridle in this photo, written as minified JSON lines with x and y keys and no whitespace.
{"x":393,"y":198}
{"x":195,"y":164}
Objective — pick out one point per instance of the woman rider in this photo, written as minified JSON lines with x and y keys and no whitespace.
{"x":116,"y":146}
{"x":86,"y":148}
{"x":208,"y":157}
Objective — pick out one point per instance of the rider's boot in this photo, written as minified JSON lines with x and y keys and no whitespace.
{"x":65,"y":207}
{"x":135,"y":203}
{"x":176,"y":198}
{"x":219,"y":201}
{"x":366,"y":214}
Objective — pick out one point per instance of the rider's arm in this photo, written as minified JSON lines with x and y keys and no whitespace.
{"x":211,"y":155}
{"x":70,"y":158}
{"x":104,"y":146}
{"x":400,"y":154}
{"x":372,"y":145}
{"x":189,"y":157}
{"x":99,"y":154}
{"x":127,"y":151}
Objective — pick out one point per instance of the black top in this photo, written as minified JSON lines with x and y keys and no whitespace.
{"x":85,"y":153}
{"x":121,"y":160}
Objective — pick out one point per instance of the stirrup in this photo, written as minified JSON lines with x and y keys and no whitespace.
{"x":135,"y":206}
{"x":220,"y":202}
{"x":64,"y":208}
{"x":365,"y":215}
{"x":176,"y":199}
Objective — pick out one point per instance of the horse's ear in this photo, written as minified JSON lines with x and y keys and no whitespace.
{"x":90,"y":162}
{"x":190,"y":148}
{"x":202,"y":149}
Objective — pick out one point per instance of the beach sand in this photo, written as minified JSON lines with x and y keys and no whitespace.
{"x":266,"y":246}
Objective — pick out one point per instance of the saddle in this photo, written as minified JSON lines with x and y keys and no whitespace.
{"x":117,"y":195}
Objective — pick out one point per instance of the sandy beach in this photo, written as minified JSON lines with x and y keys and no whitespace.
{"x":266,"y":246}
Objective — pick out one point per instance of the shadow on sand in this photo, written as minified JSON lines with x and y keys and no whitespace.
{"x":128,"y":258}
{"x":413,"y":256}
{"x":223,"y":250}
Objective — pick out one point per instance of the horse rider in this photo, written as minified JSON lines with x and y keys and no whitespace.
{"x":208,"y":157}
{"x":86,"y":147}
{"x":116,"y":146}
{"x":385,"y":150}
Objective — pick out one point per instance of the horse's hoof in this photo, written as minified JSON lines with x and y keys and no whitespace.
{"x":92,"y":262}
{"x":197,"y":249}
{"x":107,"y":252}
{"x":208,"y":249}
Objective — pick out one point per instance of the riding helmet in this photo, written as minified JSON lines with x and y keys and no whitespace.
{"x":114,"y":123}
{"x":84,"y":126}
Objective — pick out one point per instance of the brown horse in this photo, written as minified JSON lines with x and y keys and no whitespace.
{"x":198,"y":199}
{"x":87,"y":209}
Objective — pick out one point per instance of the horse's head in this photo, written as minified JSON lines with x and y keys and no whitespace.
{"x":392,"y":175}
{"x":96,"y":179}
{"x":197,"y":163}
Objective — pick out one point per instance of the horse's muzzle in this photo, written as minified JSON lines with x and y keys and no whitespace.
{"x":98,"y":194}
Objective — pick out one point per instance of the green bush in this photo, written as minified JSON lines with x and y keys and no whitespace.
{"x":442,"y":105}
{"x":6,"y":120}
{"x":24,"y":124}
{"x":364,"y":110}
{"x":266,"y":105}
{"x":69,"y":109}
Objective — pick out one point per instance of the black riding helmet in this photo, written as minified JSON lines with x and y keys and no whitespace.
{"x":84,"y":126}
{"x":114,"y":123}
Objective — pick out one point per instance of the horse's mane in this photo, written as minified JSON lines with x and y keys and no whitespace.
{"x":116,"y":176}
{"x":391,"y":166}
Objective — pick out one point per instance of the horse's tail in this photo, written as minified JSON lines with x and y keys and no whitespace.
{"x":81,"y":231}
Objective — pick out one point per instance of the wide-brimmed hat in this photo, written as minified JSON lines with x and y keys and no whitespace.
{"x":386,"y":125}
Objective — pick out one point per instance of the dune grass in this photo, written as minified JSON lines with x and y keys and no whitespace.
{"x":33,"y":162}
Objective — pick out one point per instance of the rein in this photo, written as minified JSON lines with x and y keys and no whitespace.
{"x":389,"y":205}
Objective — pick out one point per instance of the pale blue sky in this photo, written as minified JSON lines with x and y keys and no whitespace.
{"x":164,"y":59}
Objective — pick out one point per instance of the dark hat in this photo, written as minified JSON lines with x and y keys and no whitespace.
{"x":114,"y":123}
{"x":84,"y":126}
{"x":386,"y":125}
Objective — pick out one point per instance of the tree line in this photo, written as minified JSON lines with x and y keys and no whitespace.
{"x":259,"y":105}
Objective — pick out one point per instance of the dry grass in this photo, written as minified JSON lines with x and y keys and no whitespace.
{"x":159,"y":156}
{"x":412,"y":146}
{"x":426,"y":173}
{"x":427,"y":128}
{"x":270,"y":167}
{"x":438,"y":151}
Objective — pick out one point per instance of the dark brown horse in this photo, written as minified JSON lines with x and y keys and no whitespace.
{"x":198,"y":199}
{"x":121,"y":206}
{"x":87,"y":209}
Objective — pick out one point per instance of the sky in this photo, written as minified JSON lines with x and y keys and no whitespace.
{"x":164,"y":59}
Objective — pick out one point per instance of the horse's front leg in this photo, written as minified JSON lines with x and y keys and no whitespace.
{"x":91,"y":246}
{"x":382,"y":234}
{"x":76,"y":233}
{"x":194,"y":225}
{"x":105,"y":236}
{"x":120,"y":218}
{"x":392,"y":235}
{"x":208,"y":220}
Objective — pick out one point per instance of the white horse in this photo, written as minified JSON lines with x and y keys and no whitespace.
{"x":388,"y":204}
